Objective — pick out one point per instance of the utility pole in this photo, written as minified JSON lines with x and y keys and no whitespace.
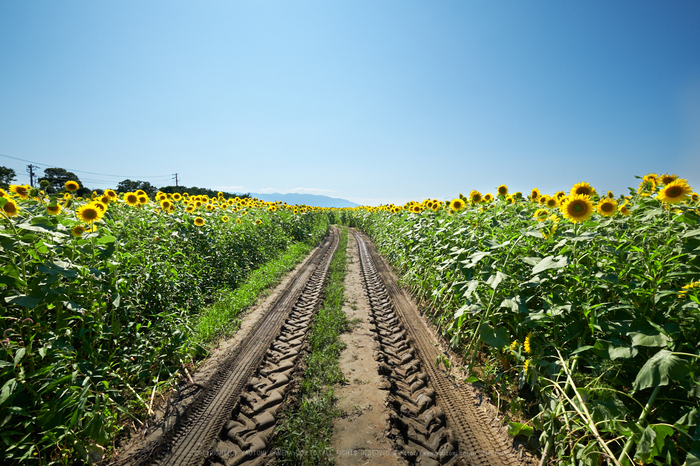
{"x":30,"y":170}
{"x":176,"y":185}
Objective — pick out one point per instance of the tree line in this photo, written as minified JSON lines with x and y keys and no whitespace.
{"x":55,"y":178}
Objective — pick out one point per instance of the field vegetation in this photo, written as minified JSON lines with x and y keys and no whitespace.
{"x":578,"y":311}
{"x":106,"y":299}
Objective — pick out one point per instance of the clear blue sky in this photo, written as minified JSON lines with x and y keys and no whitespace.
{"x":372,"y":101}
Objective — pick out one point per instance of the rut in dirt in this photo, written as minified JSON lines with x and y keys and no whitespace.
{"x":434,"y":418}
{"x":270,"y":351}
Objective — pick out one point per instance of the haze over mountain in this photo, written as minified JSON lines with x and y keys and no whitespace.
{"x":305,"y":199}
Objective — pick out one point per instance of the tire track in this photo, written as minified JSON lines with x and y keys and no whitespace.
{"x":192,"y":440}
{"x":434,"y":420}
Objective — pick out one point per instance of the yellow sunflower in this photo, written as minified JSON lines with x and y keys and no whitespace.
{"x":258,"y":222}
{"x":238,"y":220}
{"x":457,"y":204}
{"x":77,"y":231}
{"x":475,"y":197}
{"x":225,"y":218}
{"x":577,"y":208}
{"x":143,"y":199}
{"x":675,"y":192}
{"x":646,"y":187}
{"x":111,"y":193}
{"x":543,"y":199}
{"x":541,"y":215}
{"x":503,"y":190}
{"x":607,"y":207}
{"x":53,"y":209}
{"x":559,"y":195}
{"x":131,"y":199}
{"x":611,"y":195}
{"x":22,"y":190}
{"x":551,"y":202}
{"x":694,"y":197}
{"x":177,"y":197}
{"x":72,"y":186}
{"x":625,"y":211}
{"x":10,"y":208}
{"x":584,"y":189}
{"x":535,"y":194}
{"x":488,"y":197}
{"x":141,"y":192}
{"x":166,"y":205}
{"x":67,"y":196}
{"x":199,"y":221}
{"x":89,"y":213}
{"x":667,"y":179}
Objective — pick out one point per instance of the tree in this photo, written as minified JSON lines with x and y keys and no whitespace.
{"x":133,"y":186}
{"x":57,"y":178}
{"x":7,"y":176}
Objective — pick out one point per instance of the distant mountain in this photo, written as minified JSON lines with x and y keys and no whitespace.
{"x":305,"y":199}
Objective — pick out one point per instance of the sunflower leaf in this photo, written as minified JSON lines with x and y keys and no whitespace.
{"x":550,"y":262}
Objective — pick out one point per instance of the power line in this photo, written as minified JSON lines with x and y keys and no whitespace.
{"x":90,"y":173}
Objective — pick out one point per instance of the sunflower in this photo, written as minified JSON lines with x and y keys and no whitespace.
{"x":22,"y":190}
{"x":415,"y":208}
{"x":625,"y":211}
{"x":72,"y":186}
{"x":189,"y":208}
{"x":607,"y":207}
{"x":10,"y":208}
{"x":577,"y":208}
{"x":457,"y":204}
{"x":99,"y":205}
{"x":199,"y":221}
{"x":584,"y":189}
{"x":667,"y":179}
{"x":77,"y":231}
{"x":141,"y":192}
{"x":111,"y":193}
{"x":53,"y":209}
{"x":652,"y":177}
{"x":551,"y":202}
{"x":238,"y":221}
{"x":510,"y":200}
{"x":177,"y":197}
{"x":166,"y":205}
{"x":105,"y":199}
{"x":611,"y":195}
{"x":646,"y":187}
{"x":541,"y":215}
{"x":535,"y":194}
{"x":143,"y":199}
{"x":89,"y":213}
{"x":543,"y":199}
{"x":488,"y":197}
{"x":503,"y":190}
{"x":258,"y":222}
{"x":694,"y":197}
{"x":675,"y":192}
{"x":131,"y":199}
{"x":67,"y":196}
{"x":475,"y":197}
{"x":3,"y":193}
{"x":210,"y":207}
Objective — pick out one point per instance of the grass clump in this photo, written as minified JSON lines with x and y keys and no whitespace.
{"x":223,"y":317}
{"x":303,"y":437}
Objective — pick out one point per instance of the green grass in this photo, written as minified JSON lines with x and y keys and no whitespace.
{"x":303,"y":437}
{"x":223,"y":317}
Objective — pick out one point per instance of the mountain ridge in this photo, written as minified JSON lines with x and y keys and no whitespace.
{"x":316,"y":200}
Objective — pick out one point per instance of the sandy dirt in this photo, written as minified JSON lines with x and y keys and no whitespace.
{"x":360,"y":436}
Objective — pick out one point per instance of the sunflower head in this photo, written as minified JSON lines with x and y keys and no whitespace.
{"x":607,"y":207}
{"x":694,"y":197}
{"x":238,"y":221}
{"x":258,"y":222}
{"x":225,"y":218}
{"x":624,"y":210}
{"x":141,"y":192}
{"x":77,"y":231}
{"x":542,"y":200}
{"x":72,"y":186}
{"x":199,"y":221}
{"x":667,"y":179}
{"x":89,"y":213}
{"x":535,"y":194}
{"x":675,"y":192}
{"x":488,"y":197}
{"x":53,"y":209}
{"x":475,"y":197}
{"x":10,"y":208}
{"x":551,"y":202}
{"x":131,"y":199}
{"x":21,"y":190}
{"x":177,"y":197}
{"x":584,"y":189}
{"x":143,"y":199}
{"x":541,"y":215}
{"x":166,"y":205}
{"x":577,"y":208}
{"x":611,"y":195}
{"x":457,"y":204}
{"x":503,"y":190}
{"x":647,"y":187}
{"x":111,"y":193}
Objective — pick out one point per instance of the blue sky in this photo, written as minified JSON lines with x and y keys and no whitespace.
{"x":371,"y":101}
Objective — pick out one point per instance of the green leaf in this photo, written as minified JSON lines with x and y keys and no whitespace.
{"x":550,"y":262}
{"x":19,"y":355}
{"x":660,"y":369}
{"x":7,"y":390}
{"x":645,"y":444}
{"x":496,"y":279}
{"x":516,"y":428}
{"x":642,"y":339}
{"x":23,"y":300}
{"x":496,"y":338}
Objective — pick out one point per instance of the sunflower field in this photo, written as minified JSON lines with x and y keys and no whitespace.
{"x":99,"y":300}
{"x":579,"y":311}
